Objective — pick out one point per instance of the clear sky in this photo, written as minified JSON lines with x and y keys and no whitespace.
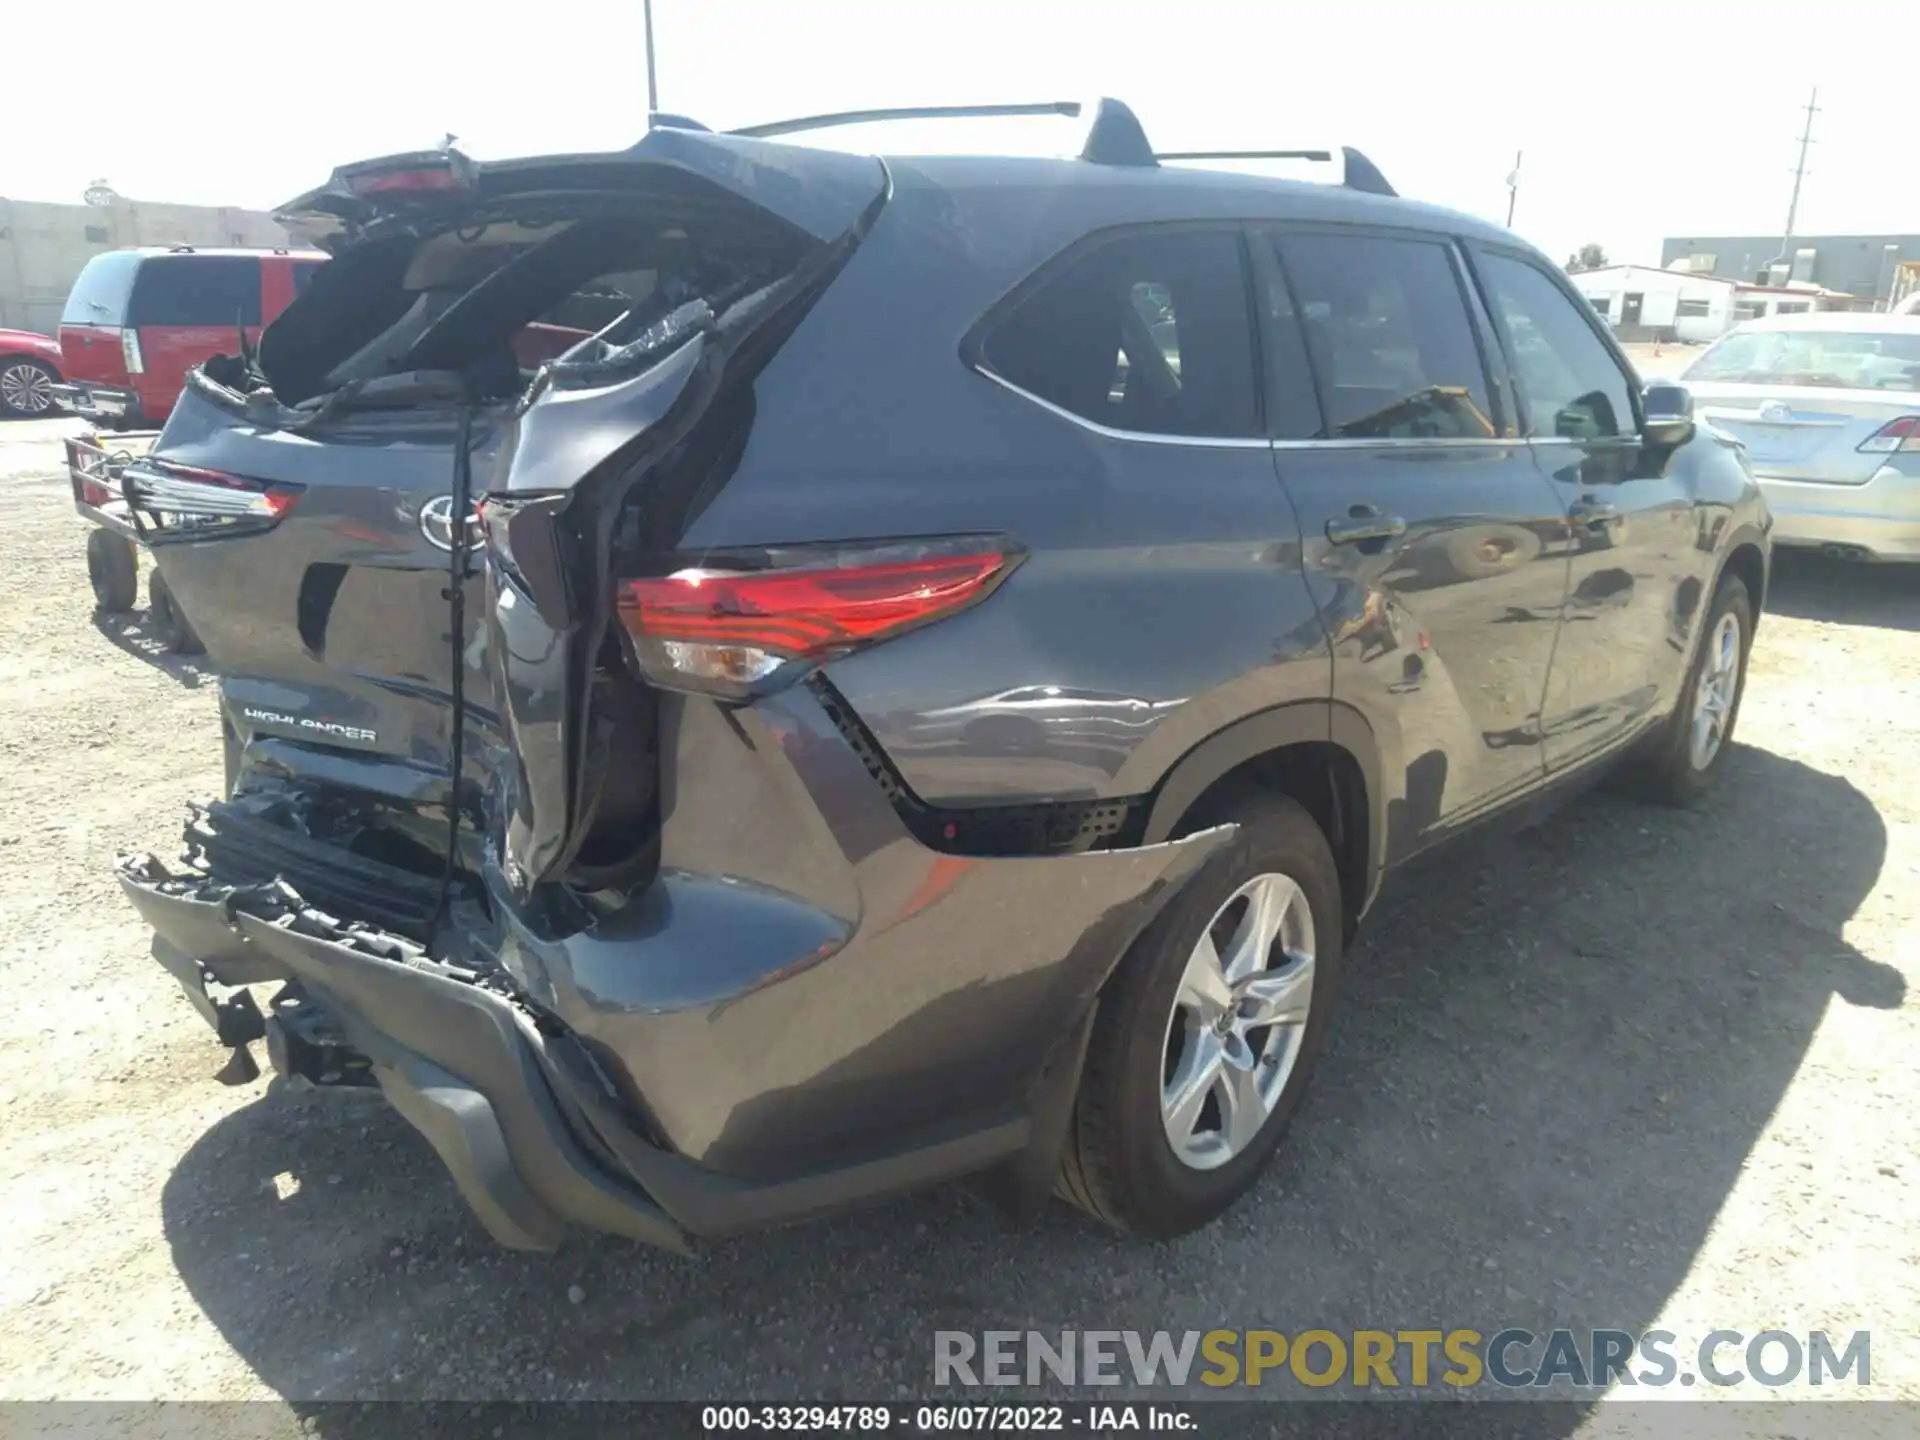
{"x":1637,"y":120}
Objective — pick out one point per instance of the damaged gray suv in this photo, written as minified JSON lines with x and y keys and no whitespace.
{"x":755,"y":678}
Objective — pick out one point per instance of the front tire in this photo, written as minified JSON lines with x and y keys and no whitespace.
{"x":1208,"y":1033}
{"x":1693,"y":746}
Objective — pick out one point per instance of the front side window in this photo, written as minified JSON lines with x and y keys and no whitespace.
{"x":197,"y":290}
{"x":1146,"y":332}
{"x":1570,"y":382}
{"x":1389,"y":337}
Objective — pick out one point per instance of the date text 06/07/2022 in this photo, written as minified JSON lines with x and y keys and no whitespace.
{"x":943,"y":1418}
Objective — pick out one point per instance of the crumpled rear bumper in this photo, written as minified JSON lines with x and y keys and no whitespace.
{"x":720,"y":1055}
{"x":461,"y":1063}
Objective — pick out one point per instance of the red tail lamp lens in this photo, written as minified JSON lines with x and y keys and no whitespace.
{"x":739,"y":626}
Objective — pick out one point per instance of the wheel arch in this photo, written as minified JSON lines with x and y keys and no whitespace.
{"x":1320,"y":753}
{"x":1747,"y":557}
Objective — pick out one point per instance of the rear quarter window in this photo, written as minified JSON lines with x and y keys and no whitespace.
{"x":1146,"y":332}
{"x":197,"y":290}
{"x":99,"y":296}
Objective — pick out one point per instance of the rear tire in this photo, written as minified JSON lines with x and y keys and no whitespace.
{"x":1693,"y":745}
{"x":169,"y":621}
{"x":1120,"y":1163}
{"x":111,"y":569}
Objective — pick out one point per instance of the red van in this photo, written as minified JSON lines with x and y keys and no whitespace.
{"x":137,"y":320}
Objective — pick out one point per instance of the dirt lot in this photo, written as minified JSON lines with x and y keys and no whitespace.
{"x":1633,"y":1068}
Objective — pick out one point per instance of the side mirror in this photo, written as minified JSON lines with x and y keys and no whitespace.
{"x":1669,"y":410}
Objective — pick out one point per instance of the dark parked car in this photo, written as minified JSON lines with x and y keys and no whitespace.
{"x":640,"y":833}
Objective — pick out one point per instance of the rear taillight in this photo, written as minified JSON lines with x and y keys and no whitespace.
{"x":1894,"y":436}
{"x":189,"y":497}
{"x":130,"y":351}
{"x":741,"y":630}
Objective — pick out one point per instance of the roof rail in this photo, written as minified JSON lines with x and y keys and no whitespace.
{"x":904,"y":112}
{"x":1114,"y":135}
{"x":1361,"y":173}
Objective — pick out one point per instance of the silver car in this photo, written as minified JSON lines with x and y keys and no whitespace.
{"x":1828,"y":406}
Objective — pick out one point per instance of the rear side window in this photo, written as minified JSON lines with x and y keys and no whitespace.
{"x":99,"y":296}
{"x":1146,"y":332}
{"x":1570,"y":382}
{"x":1389,"y":336}
{"x":197,"y":290}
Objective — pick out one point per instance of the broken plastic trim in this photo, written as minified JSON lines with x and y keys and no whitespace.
{"x":1058,"y":827}
{"x":660,"y":338}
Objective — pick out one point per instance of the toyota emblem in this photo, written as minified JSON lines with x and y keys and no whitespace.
{"x":436,"y":522}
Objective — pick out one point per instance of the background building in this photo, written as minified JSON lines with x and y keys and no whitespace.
{"x":1865,"y":266}
{"x":1642,"y":303}
{"x":43,"y":246}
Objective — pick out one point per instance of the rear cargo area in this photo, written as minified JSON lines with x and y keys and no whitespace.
{"x":511,"y":338}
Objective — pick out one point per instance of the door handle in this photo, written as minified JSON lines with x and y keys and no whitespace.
{"x":1363,"y":523}
{"x":1589,"y":511}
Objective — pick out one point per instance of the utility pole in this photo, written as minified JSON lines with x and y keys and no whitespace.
{"x":1513,"y":188}
{"x":1799,"y":170}
{"x":653,"y":88}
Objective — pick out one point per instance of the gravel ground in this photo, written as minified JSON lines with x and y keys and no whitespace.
{"x":1633,"y":1068}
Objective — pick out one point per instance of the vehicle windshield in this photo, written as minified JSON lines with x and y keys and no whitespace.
{"x":1836,"y":359}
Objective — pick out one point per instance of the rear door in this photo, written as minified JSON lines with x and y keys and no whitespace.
{"x":1637,"y":573}
{"x":185,"y":310}
{"x":1434,"y":548}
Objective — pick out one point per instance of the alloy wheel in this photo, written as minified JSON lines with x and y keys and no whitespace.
{"x":1714,"y":692}
{"x":26,"y":389}
{"x":1238,"y":1019}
